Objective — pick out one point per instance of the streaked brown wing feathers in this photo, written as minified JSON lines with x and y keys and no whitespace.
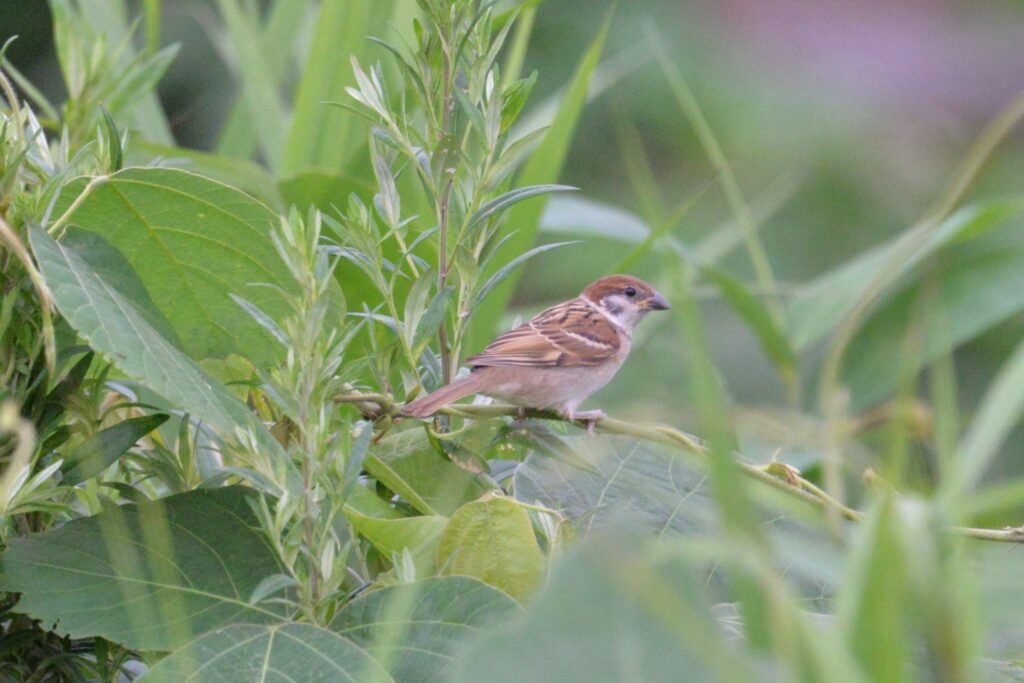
{"x":570,"y":334}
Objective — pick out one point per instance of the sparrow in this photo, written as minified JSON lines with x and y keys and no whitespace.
{"x":558,"y":358}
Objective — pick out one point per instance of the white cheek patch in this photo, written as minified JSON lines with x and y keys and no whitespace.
{"x":620,"y":310}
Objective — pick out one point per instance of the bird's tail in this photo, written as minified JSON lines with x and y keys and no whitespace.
{"x":431,"y":403}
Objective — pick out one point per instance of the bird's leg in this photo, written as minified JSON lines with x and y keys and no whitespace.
{"x":591,"y":417}
{"x":520,"y":417}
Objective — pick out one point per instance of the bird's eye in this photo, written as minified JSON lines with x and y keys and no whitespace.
{"x":630,"y":291}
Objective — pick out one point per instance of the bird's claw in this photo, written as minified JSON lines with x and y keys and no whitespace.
{"x":591,"y":417}
{"x":520,"y":421}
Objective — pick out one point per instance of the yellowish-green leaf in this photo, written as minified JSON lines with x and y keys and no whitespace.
{"x":493,"y":540}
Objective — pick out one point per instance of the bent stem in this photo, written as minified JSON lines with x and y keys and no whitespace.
{"x":775,"y":474}
{"x":780,"y":476}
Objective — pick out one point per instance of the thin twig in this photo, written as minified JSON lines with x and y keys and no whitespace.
{"x":775,"y":474}
{"x":778,"y":475}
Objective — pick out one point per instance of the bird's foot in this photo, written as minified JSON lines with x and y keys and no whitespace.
{"x":520,"y":420}
{"x":591,"y":417}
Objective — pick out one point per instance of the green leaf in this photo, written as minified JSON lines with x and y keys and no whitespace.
{"x":509,"y":268}
{"x":152,"y":576}
{"x":134,"y":90}
{"x":113,"y":142}
{"x":1000,"y":411}
{"x":872,"y":607}
{"x":415,"y":629}
{"x":392,"y":536}
{"x":245,"y":175}
{"x":513,"y":197}
{"x":514,"y":99}
{"x":544,"y":167}
{"x":968,"y":293}
{"x":646,"y":483}
{"x":610,"y":613}
{"x":493,"y":540}
{"x":285,"y":652}
{"x":192,"y":241}
{"x":432,"y":319}
{"x":121,"y":326}
{"x":757,"y":317}
{"x":321,"y":189}
{"x":102,"y":449}
{"x":824,"y":303}
{"x":408,"y":465}
{"x":321,"y":136}
{"x":277,"y":41}
{"x":258,"y":86}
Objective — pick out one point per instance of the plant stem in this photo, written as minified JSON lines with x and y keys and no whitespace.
{"x":832,"y":395}
{"x":447,"y":105}
{"x":777,"y":475}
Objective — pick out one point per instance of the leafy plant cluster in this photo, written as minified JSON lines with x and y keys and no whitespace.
{"x":203,"y":475}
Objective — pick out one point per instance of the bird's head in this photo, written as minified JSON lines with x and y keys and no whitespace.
{"x":624,"y":298}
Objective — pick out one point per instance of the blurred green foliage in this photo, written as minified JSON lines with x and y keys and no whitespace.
{"x":266,"y":224}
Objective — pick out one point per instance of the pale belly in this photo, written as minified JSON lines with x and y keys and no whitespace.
{"x":561,"y":389}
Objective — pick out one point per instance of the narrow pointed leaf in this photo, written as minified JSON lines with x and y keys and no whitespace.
{"x":102,"y":449}
{"x":509,"y":268}
{"x":513,"y":197}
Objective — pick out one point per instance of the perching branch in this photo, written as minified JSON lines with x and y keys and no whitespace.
{"x":778,"y":475}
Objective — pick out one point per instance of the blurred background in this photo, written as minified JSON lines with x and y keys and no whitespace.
{"x":843,"y":122}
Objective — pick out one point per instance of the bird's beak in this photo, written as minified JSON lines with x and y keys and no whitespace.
{"x":657,"y":303}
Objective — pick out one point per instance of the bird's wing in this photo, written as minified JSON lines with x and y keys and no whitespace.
{"x":571,"y":334}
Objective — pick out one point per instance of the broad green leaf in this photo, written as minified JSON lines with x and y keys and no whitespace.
{"x":544,"y":167}
{"x":152,"y":576}
{"x":826,"y":301}
{"x":493,"y":540}
{"x":610,"y":613}
{"x":192,"y":241}
{"x":391,"y":532}
{"x":244,"y":175}
{"x":872,"y":607}
{"x":969,"y":294}
{"x":122,"y":327}
{"x":408,"y":465}
{"x":415,"y":630}
{"x":394,"y":535}
{"x":102,"y":449}
{"x":361,"y":500}
{"x":281,"y":653}
{"x":322,"y":190}
{"x":996,"y":569}
{"x":647,"y":483}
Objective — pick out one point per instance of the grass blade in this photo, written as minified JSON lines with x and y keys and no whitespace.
{"x":688,"y":103}
{"x":1000,"y":411}
{"x":259,"y":91}
{"x":321,"y":136}
{"x":238,"y":137}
